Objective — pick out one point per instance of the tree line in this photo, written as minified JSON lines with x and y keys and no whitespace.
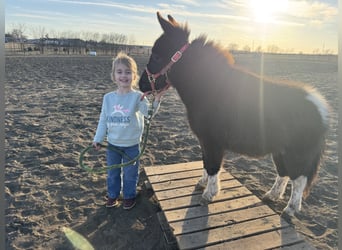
{"x":17,"y":42}
{"x":84,"y":42}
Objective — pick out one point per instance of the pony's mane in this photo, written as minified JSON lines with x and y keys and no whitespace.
{"x":214,"y":48}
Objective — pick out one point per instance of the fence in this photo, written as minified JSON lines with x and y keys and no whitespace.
{"x":17,"y":48}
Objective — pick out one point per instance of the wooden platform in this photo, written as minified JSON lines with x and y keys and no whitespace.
{"x":236,"y":219}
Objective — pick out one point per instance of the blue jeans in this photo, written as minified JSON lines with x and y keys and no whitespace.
{"x":130,"y":173}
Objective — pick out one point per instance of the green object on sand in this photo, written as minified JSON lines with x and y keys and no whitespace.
{"x":77,"y":240}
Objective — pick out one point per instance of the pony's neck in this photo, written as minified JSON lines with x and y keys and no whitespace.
{"x":200,"y":64}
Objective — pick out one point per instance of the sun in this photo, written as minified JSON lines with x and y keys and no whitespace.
{"x":266,"y":11}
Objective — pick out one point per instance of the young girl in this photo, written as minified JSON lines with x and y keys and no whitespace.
{"x":122,"y":120}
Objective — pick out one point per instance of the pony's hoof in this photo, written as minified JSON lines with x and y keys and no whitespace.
{"x":199,"y":187}
{"x":267,"y":199}
{"x":204,"y":202}
{"x":289,"y":211}
{"x":286,"y":216}
{"x":270,"y":197}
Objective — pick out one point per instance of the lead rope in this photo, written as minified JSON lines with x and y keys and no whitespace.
{"x":147,"y":124}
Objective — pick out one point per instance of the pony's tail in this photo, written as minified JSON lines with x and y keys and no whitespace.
{"x":324,"y":110}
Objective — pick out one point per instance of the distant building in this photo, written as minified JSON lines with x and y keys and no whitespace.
{"x":92,"y":53}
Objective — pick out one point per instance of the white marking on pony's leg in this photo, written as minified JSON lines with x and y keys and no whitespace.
{"x":278,"y":189}
{"x":211,"y":190}
{"x":202,"y":183}
{"x":295,"y":202}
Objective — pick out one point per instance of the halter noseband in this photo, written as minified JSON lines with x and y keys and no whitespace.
{"x":153,"y":77}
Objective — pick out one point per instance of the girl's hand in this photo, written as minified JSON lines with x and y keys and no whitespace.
{"x":97,"y":145}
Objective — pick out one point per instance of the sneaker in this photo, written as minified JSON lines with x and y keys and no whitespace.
{"x":129,"y":203}
{"x":112,"y":202}
{"x":106,"y":197}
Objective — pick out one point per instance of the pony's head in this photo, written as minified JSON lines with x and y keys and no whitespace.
{"x":166,"y":50}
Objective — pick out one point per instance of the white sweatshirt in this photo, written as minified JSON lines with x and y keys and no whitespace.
{"x":122,"y":118}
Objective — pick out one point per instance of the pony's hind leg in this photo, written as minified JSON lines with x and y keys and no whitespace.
{"x":279,"y":186}
{"x":278,"y":189}
{"x":295,"y":202}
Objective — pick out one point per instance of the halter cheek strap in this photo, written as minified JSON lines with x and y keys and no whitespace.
{"x":153,"y":77}
{"x":167,"y":86}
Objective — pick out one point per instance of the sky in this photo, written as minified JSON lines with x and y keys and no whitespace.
{"x":290,"y":26}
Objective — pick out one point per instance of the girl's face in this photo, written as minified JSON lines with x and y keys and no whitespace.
{"x":123,"y":76}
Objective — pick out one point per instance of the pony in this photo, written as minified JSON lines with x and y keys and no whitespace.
{"x":232,"y":109}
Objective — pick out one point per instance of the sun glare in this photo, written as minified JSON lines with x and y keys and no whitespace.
{"x":265,"y":11}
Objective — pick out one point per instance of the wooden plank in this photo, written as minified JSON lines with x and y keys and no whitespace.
{"x":194,"y":200}
{"x":221,"y":219}
{"x":171,"y":184}
{"x":230,"y":232}
{"x":269,"y":240}
{"x":175,"y":184}
{"x":211,"y":208}
{"x":183,"y":191}
{"x":299,"y":246}
{"x":185,"y":175}
{"x":168,"y":234}
{"x":236,"y":219}
{"x":173,"y":168}
{"x":176,"y":176}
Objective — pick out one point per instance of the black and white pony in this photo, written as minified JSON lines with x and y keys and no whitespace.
{"x":232,"y":109}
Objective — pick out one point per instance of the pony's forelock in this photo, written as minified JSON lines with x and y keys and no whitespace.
{"x":182,"y":31}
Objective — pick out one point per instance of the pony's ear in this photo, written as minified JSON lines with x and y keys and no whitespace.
{"x":166,"y":25}
{"x":172,"y":20}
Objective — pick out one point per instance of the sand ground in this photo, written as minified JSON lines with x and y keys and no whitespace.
{"x":52,"y":109}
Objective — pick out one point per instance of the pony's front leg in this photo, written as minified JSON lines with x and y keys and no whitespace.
{"x":212,"y":160}
{"x":295,"y":202}
{"x":211,"y":190}
{"x":202,"y":183}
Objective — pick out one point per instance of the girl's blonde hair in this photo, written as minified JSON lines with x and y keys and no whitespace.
{"x":129,"y":62}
